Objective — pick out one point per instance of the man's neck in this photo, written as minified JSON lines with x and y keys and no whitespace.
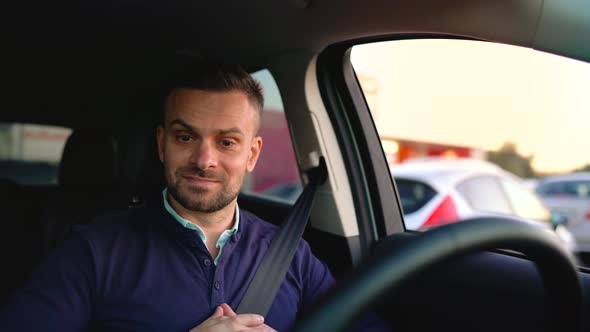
{"x":211,"y":223}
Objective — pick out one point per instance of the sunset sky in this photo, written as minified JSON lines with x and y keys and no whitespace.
{"x":482,"y":95}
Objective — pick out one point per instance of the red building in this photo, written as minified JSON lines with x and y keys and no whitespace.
{"x":277,"y":164}
{"x":397,"y":150}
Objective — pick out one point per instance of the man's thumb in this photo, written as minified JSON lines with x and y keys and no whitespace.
{"x":218,"y":312}
{"x":227,"y":310}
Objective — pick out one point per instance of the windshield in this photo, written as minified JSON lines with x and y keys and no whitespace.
{"x":513,"y":113}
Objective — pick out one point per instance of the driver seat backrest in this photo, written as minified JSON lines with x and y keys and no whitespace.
{"x":87,"y":185}
{"x":87,"y":178}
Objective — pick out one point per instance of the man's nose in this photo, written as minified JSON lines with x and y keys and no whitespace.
{"x":204,"y":155}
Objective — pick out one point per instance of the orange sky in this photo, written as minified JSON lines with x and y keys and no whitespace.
{"x":482,"y":95}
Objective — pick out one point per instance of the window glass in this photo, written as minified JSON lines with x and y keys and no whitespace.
{"x":413,"y":194}
{"x":524,"y":202}
{"x":30,"y":154}
{"x":276,"y":174}
{"x":579,"y":189}
{"x":484,"y":194}
{"x":440,"y":103}
{"x":549,"y":189}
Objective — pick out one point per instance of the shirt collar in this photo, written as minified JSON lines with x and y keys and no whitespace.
{"x":187,"y":224}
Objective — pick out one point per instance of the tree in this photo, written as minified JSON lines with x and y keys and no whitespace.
{"x":509,"y":159}
{"x":585,"y":168}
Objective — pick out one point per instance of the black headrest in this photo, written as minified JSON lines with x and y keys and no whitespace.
{"x":89,"y":158}
{"x":150,"y":181}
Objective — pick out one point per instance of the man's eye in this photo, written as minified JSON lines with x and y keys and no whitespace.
{"x":184,"y":138}
{"x":227,"y":143}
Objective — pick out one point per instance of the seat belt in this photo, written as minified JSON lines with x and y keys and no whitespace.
{"x":275,"y":263}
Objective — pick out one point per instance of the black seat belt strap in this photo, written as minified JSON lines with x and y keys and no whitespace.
{"x":275,"y":263}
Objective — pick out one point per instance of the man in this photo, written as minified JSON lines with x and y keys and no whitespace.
{"x":185,"y":262}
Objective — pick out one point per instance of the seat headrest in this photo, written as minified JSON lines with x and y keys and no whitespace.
{"x":89,"y":158}
{"x":150,"y":181}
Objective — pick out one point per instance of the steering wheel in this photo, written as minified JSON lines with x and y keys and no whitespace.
{"x":375,"y":281}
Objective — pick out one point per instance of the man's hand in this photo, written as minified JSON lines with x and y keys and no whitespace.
{"x":224,"y":319}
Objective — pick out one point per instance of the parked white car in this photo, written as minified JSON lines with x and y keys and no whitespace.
{"x":569,"y":195}
{"x":437,"y":191}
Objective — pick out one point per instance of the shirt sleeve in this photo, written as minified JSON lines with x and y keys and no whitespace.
{"x":59,"y":295}
{"x":318,"y":279}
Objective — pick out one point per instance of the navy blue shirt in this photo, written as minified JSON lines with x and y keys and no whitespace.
{"x":140,"y":270}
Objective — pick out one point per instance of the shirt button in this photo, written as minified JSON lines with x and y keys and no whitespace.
{"x":217,"y":285}
{"x":207,"y":262}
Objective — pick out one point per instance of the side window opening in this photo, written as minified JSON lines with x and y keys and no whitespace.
{"x":276,"y":174}
{"x":484,"y":109}
{"x":413,"y":194}
{"x":30,"y":154}
{"x":485,"y":194}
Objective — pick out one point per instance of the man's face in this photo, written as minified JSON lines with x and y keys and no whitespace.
{"x":207,"y":144}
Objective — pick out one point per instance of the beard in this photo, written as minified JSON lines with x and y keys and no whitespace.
{"x":201,"y":199}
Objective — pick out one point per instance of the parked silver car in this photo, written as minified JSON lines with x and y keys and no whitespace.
{"x":569,"y":195}
{"x":438,"y":191}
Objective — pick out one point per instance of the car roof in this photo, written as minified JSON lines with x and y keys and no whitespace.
{"x":69,"y":55}
{"x":445,"y":171}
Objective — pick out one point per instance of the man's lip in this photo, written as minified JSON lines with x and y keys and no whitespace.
{"x":199,"y":179}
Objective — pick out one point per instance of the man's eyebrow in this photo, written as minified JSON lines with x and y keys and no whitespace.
{"x":181,"y":123}
{"x":233,"y":130}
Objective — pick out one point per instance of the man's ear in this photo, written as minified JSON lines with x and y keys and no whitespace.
{"x":160,"y":136}
{"x":254,"y":153}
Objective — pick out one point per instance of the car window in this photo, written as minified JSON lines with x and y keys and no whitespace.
{"x":524,"y":202}
{"x":549,"y":189}
{"x":30,"y":154}
{"x":485,"y":194}
{"x":413,"y":194}
{"x":276,"y":174}
{"x":442,"y":101}
{"x":579,"y":189}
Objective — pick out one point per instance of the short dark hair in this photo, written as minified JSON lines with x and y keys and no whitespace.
{"x":208,"y":75}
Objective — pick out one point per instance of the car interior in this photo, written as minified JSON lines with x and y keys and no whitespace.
{"x":95,"y":67}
